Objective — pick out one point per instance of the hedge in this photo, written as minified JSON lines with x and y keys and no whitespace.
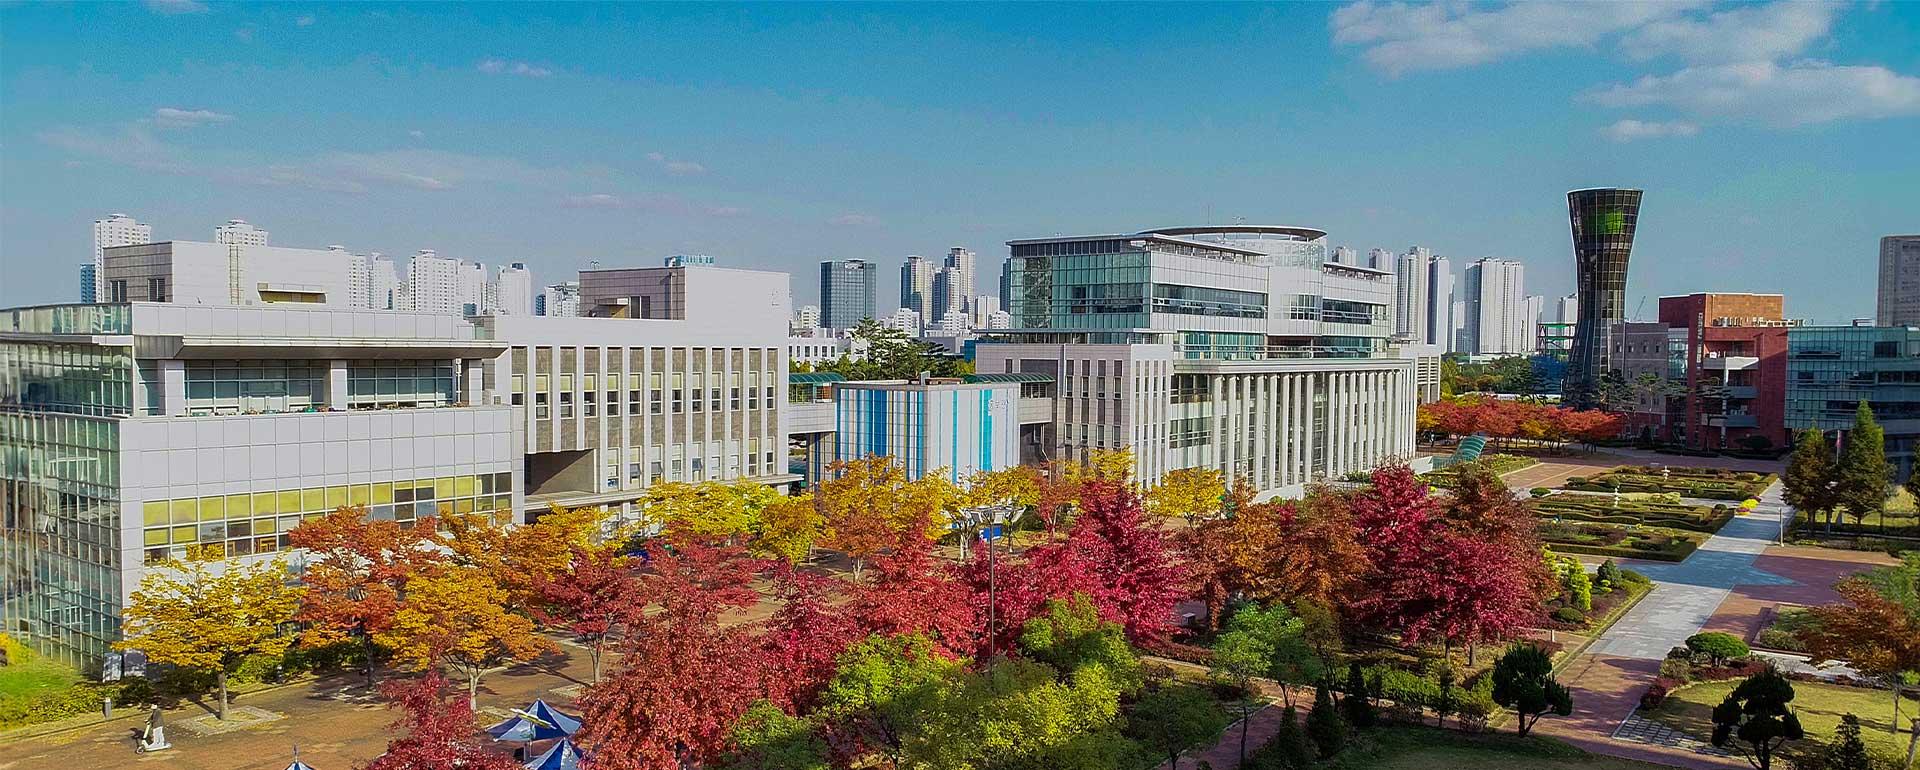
{"x":1679,"y":553}
{"x":1709,"y":483}
{"x":1695,"y":518}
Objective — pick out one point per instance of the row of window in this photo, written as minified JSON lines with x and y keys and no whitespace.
{"x":258,"y":522}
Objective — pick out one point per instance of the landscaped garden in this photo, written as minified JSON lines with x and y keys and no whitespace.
{"x":1647,"y":510}
{"x":1706,"y":483}
{"x":1597,"y":539}
{"x":1819,"y":706}
{"x":1500,"y":464}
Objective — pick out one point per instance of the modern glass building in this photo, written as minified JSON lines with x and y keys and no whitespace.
{"x":1603,"y":220}
{"x":1236,"y":347}
{"x":847,"y":292}
{"x":1831,"y":369}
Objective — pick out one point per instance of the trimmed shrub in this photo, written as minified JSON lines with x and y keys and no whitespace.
{"x":1540,"y":491}
{"x":1631,"y":576}
{"x":1717,"y":646}
{"x":1408,"y":692}
{"x":1569,"y":615}
{"x":1657,"y":693}
{"x":1678,"y":669}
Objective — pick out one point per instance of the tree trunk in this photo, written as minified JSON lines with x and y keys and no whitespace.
{"x":367,"y":639}
{"x":594,"y":652}
{"x":1913,"y":745}
{"x":221,"y":678}
{"x":473,"y":690}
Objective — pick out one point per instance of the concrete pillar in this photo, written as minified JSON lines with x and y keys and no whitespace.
{"x":173,"y":387}
{"x":337,"y":385}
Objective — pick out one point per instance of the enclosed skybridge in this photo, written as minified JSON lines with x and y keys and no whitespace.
{"x":957,"y":426}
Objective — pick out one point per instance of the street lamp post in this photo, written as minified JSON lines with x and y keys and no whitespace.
{"x":979,"y":519}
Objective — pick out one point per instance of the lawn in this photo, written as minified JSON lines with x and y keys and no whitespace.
{"x":31,"y":677}
{"x":1426,"y":748}
{"x":1820,"y":706}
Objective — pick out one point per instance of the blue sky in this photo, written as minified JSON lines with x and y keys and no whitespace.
{"x":1777,"y":142}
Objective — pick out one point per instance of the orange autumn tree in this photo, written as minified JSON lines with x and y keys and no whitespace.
{"x":356,"y":571}
{"x":789,"y":529}
{"x":459,"y":620}
{"x":518,"y":559}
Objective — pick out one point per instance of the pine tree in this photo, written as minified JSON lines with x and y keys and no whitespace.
{"x":1847,"y":751}
{"x":1358,"y":705}
{"x":1324,"y":724}
{"x":1291,"y":743}
{"x":1863,"y":472}
{"x":1809,"y":471}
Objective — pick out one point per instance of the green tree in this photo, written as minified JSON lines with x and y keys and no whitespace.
{"x":1172,"y":718}
{"x":1070,"y":635}
{"x":1016,"y":714}
{"x":1290,"y":745}
{"x":1325,"y":727}
{"x":1863,"y":473}
{"x":1523,"y":681}
{"x":767,"y":738}
{"x":1718,"y":646}
{"x":208,"y":615}
{"x":1756,"y":714}
{"x":883,"y":687}
{"x":1913,"y":485}
{"x":1810,"y":471}
{"x":1240,"y":655}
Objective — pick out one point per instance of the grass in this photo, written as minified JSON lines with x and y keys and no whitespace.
{"x":33,"y":676}
{"x":1820,"y":706}
{"x":1425,"y":748}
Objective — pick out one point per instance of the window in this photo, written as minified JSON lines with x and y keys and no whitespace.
{"x":157,"y":289}
{"x":678,"y":402}
{"x":653,"y":394}
{"x":117,"y":291}
{"x":399,"y":384}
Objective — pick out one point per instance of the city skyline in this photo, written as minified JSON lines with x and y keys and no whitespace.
{"x":183,"y":135}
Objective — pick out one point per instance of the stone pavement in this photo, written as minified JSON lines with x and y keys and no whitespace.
{"x":1686,"y":595}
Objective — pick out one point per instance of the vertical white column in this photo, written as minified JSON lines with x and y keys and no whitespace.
{"x":336,"y":384}
{"x":173,"y":388}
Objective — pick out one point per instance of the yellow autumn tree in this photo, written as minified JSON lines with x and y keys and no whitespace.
{"x":867,"y":502}
{"x":458,"y":620}
{"x":1017,"y":485}
{"x":207,"y":614}
{"x":519,"y":558}
{"x":789,"y":528}
{"x":708,"y":509}
{"x":1188,"y":493}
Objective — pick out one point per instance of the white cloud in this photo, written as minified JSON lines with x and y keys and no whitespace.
{"x":506,"y":67}
{"x":675,"y":166}
{"x":1744,"y":33}
{"x":171,"y":7}
{"x":304,"y":21}
{"x":650,"y":202}
{"x":417,"y":134}
{"x":243,"y":34}
{"x":1401,"y":37}
{"x":171,"y":117}
{"x":1628,"y":130}
{"x":854,"y":220}
{"x":1798,"y":93}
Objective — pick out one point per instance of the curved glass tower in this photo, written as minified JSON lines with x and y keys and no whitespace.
{"x":1603,"y":220}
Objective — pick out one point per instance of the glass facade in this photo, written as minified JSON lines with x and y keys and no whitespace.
{"x":847,"y":292}
{"x":59,"y":482}
{"x":1831,"y":369}
{"x":1603,"y":221}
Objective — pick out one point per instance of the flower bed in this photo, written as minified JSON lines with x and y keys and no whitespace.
{"x":1604,"y":510}
{"x":1707,"y":483}
{"x":1598,"y":539}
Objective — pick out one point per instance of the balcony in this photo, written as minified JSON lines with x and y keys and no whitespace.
{"x":1742,"y":391}
{"x":1732,"y":421}
{"x":1730,"y":363}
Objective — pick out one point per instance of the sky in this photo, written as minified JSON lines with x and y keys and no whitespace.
{"x":1777,"y":142}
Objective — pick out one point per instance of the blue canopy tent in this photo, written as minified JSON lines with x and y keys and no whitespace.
{"x":299,"y":765}
{"x":563,"y":756}
{"x":538,"y":722}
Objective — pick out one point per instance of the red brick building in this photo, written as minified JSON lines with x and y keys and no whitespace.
{"x":1736,"y":380}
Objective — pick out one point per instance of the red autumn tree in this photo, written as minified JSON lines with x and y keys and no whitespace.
{"x":596,"y":599}
{"x":357,"y":569}
{"x":1482,"y":506}
{"x":912,"y":592}
{"x":684,"y":678}
{"x":440,"y":731}
{"x":1018,"y":591}
{"x":1139,"y":570}
{"x":804,"y":639}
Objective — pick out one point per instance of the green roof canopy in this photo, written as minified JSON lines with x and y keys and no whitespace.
{"x":814,"y":378}
{"x":1012,"y":377}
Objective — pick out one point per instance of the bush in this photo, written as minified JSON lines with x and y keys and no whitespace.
{"x":1631,"y":576}
{"x":1569,"y":615}
{"x":1678,"y":669}
{"x":1657,"y":693}
{"x":1540,"y":491}
{"x":1409,"y":692}
{"x":1357,"y":706}
{"x":1717,"y":646}
{"x":1474,"y":704}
